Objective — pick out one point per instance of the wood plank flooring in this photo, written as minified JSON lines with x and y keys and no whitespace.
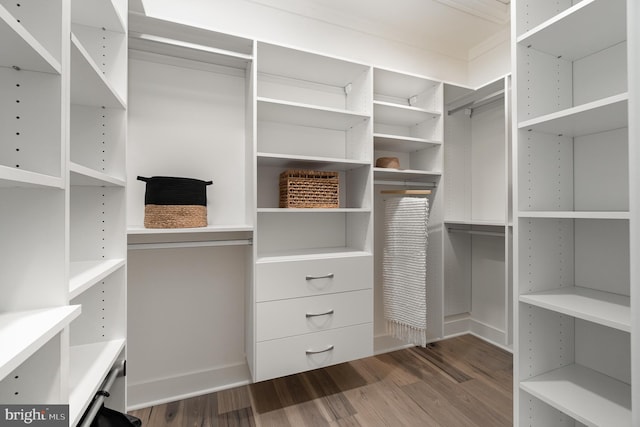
{"x":461,"y":381}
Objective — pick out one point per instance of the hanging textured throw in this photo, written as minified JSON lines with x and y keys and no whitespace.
{"x":173,"y":202}
{"x":404,"y":268}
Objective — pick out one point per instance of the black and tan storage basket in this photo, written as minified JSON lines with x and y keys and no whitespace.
{"x":309,"y":189}
{"x":171,"y":202}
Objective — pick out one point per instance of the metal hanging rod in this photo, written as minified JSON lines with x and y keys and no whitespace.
{"x":478,"y":102}
{"x":198,"y":244}
{"x":118,"y":370}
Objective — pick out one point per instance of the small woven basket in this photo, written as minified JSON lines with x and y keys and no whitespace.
{"x":309,"y":189}
{"x":172,"y":202}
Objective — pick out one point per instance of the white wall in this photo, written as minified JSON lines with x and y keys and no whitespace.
{"x":251,"y":20}
{"x":490,"y":59}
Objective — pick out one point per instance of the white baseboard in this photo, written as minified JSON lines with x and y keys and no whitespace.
{"x":464,"y":324}
{"x":386,"y":343}
{"x":166,"y":390}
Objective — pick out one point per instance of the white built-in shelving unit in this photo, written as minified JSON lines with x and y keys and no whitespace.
{"x":478,"y":216}
{"x":97,"y":149}
{"x":408,"y":125}
{"x":312,"y":112}
{"x":62,"y":181}
{"x":573,"y":313}
{"x":190,"y":106}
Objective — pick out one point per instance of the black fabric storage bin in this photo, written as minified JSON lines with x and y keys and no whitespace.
{"x":174,"y":202}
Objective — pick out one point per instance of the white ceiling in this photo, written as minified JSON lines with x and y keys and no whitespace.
{"x":450,"y":27}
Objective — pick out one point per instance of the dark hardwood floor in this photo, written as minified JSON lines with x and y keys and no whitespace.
{"x":461,"y":381}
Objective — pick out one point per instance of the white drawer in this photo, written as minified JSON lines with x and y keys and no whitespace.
{"x":277,"y":358}
{"x":284,"y":318}
{"x":292,"y":279}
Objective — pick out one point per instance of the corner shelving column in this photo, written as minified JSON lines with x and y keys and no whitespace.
{"x":313,"y":112}
{"x":408,"y":124}
{"x":573,"y":359}
{"x":97,"y":138}
{"x":34,"y":315}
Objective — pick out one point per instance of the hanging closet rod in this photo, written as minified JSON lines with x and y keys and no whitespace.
{"x":478,"y":102}
{"x":406,"y":183}
{"x":118,"y":370}
{"x":476,"y":232}
{"x":198,"y":244}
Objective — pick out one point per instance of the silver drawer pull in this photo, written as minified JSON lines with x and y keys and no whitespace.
{"x":326,"y":313}
{"x":326,"y":276}
{"x":329,"y":348}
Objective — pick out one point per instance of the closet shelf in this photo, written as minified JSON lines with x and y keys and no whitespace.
{"x":88,"y":84}
{"x":85,"y":274}
{"x":595,"y":306}
{"x":471,"y":222}
{"x":89,"y":365}
{"x":307,"y":66}
{"x":310,"y":253}
{"x":27,"y":331}
{"x":20,"y":49}
{"x":401,"y":144}
{"x":388,"y":83}
{"x":12,"y":177}
{"x":588,"y":396}
{"x":308,"y":115}
{"x":395,"y":114}
{"x":584,"y":29}
{"x":140,"y":230}
{"x":313,"y":210}
{"x":82,"y":175}
{"x":575,"y":214}
{"x":405,"y":175}
{"x":98,"y":14}
{"x":597,"y":116}
{"x":309,"y":162}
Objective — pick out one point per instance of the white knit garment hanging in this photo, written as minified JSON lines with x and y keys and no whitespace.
{"x":404,"y":268}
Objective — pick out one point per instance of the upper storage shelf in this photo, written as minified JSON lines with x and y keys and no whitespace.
{"x":302,"y":77}
{"x":21,"y":49}
{"x":308,"y":115}
{"x":584,"y":29}
{"x":407,"y":90}
{"x":89,"y":85}
{"x":161,"y":37}
{"x":107,"y":14}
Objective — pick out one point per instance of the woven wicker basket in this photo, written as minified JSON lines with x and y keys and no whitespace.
{"x":173,"y":202}
{"x":309,"y":189}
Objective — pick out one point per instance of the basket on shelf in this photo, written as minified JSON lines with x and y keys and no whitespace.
{"x":388,"y":162}
{"x":309,"y":189}
{"x":172,"y":202}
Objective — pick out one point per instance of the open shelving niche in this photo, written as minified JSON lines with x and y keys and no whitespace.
{"x":313,"y":112}
{"x":572,"y":231}
{"x":408,"y":124}
{"x":209,"y":137}
{"x":478,"y":285}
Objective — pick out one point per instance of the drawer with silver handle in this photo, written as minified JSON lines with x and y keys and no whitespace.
{"x":283,"y":318}
{"x":285,"y":356}
{"x":302,"y":278}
